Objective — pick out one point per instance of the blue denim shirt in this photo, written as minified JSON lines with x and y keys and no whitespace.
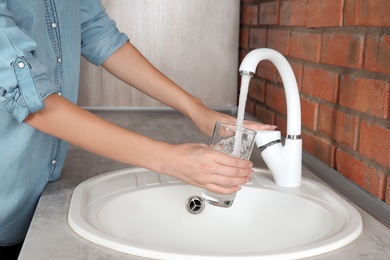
{"x":40,"y":46}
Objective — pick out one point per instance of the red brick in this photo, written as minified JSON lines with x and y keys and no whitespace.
{"x":367,"y":12}
{"x":387,"y":199}
{"x":244,"y":38}
{"x":242,"y":55}
{"x":264,"y":115}
{"x":321,"y":13}
{"x":309,"y":113}
{"x":257,"y":89}
{"x":281,"y":122}
{"x":250,"y":106}
{"x":377,"y":184}
{"x":279,"y":41}
{"x":258,"y":38}
{"x":338,"y":126}
{"x":305,"y":46}
{"x":352,"y":168}
{"x":298,"y":72}
{"x":293,"y":13}
{"x":267,"y":70}
{"x":362,"y":174}
{"x":319,"y":147}
{"x":378,"y":54}
{"x":249,"y":14}
{"x":375,"y":143}
{"x":321,"y":83}
{"x":366,"y":95}
{"x":269,"y":13}
{"x":297,"y":68}
{"x":275,"y":98}
{"x":342,"y":50}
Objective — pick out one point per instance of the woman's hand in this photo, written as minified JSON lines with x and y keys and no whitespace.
{"x":199,"y":165}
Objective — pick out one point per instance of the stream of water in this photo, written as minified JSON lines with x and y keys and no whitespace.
{"x":240,"y":114}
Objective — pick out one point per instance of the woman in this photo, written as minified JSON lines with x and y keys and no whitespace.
{"x":40,"y":46}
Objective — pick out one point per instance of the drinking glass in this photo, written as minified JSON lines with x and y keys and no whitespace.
{"x":223,"y":140}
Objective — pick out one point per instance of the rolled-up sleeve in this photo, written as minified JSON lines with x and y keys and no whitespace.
{"x":99,"y":34}
{"x":23,"y":80}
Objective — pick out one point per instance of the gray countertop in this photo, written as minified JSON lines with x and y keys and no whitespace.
{"x":50,"y":236}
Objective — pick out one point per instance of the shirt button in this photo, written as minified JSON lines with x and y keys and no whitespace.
{"x":59,"y":59}
{"x":21,"y":65}
{"x":59,"y":93}
{"x":53,"y":162}
{"x":53,"y":25}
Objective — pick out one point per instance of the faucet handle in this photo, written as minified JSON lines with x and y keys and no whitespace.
{"x":266,"y":138}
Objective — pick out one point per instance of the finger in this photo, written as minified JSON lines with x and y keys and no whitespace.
{"x":225,"y":181}
{"x":258,"y":126}
{"x":232,"y":162}
{"x":233,"y":172}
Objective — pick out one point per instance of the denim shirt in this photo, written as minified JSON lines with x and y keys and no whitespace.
{"x":40,"y":46}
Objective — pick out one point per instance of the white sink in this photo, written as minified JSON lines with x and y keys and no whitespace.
{"x":139,"y":212}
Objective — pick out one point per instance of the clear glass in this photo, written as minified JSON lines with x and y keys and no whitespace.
{"x":224,"y":137}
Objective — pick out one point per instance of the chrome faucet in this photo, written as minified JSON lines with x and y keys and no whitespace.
{"x":284,"y":161}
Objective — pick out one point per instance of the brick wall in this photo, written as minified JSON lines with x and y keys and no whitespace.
{"x":340,"y":53}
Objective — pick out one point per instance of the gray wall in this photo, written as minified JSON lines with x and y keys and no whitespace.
{"x":193,"y":42}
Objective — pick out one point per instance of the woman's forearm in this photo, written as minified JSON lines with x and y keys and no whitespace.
{"x":75,"y":125}
{"x":130,"y":66}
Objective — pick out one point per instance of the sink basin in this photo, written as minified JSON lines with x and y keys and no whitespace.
{"x":139,"y":212}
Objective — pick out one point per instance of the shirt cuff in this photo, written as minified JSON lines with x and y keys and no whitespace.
{"x":24,"y":98}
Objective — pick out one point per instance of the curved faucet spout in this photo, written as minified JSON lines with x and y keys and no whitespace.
{"x":248,"y":67}
{"x":284,"y":162}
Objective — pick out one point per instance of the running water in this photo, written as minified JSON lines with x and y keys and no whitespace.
{"x":240,"y":114}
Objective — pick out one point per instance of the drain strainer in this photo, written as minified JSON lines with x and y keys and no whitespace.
{"x":195,"y":204}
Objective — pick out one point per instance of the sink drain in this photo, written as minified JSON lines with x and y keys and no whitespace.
{"x":195,"y":204}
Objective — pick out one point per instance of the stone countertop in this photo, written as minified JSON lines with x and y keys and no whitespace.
{"x":50,"y":236}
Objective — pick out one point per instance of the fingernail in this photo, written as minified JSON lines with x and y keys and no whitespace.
{"x":248,"y":179}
